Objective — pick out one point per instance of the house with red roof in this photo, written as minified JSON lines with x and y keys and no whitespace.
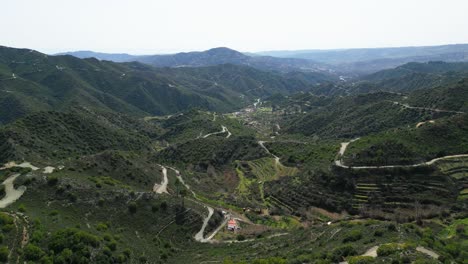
{"x":232,"y":225}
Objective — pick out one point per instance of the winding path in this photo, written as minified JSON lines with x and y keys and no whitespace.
{"x":25,"y":164}
{"x":199,"y":236}
{"x":162,"y":188}
{"x":223,"y":130}
{"x":256,"y":103}
{"x":179,"y":176}
{"x":11,"y":194}
{"x":277,"y":159}
{"x":372,"y":252}
{"x":344,"y":146}
{"x":427,"y":109}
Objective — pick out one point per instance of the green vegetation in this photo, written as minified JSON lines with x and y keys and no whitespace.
{"x":410,"y":146}
{"x":109,"y":129}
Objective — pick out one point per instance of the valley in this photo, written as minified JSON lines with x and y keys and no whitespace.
{"x":124,"y":162}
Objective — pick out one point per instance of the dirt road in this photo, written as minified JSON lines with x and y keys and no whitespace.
{"x":11,"y":194}
{"x":162,"y":188}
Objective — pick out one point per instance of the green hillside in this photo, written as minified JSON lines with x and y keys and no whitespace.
{"x":31,"y":81}
{"x":104,"y":162}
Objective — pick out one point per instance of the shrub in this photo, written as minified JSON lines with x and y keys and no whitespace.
{"x":378,"y":233}
{"x":22,"y":208}
{"x":344,"y":251}
{"x":4,"y":254}
{"x":112,"y":245}
{"x":352,"y":236}
{"x":387,"y":249}
{"x":361,"y":260}
{"x":164,"y":206}
{"x":101,"y":227}
{"x":52,"y":180}
{"x":54,"y":213}
{"x":240,"y":237}
{"x":143,"y":259}
{"x":33,"y":252}
{"x":132,"y":207}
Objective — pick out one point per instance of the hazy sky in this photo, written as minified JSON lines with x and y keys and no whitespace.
{"x":156,"y":26}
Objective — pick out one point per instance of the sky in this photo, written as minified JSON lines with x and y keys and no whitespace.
{"x":165,"y":26}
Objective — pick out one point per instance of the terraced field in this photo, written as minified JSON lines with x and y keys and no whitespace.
{"x":257,"y":172}
{"x":407,"y":192}
{"x":457,"y":169}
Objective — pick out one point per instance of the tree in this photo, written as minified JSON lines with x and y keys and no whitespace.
{"x":132,"y":207}
{"x":3,"y":254}
{"x":183,"y":193}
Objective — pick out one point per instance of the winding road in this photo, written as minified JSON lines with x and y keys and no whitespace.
{"x":277,"y":159}
{"x":179,"y":176}
{"x":223,"y":130}
{"x":427,"y":109}
{"x":11,"y":194}
{"x":162,"y":188}
{"x":256,"y":103}
{"x":344,"y":146}
{"x":25,"y":164}
{"x":199,"y":236}
{"x":372,"y":252}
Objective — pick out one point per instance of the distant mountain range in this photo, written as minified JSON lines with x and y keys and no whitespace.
{"x":370,"y":60}
{"x":348,"y":62}
{"x":339,"y":56}
{"x":211,"y":57}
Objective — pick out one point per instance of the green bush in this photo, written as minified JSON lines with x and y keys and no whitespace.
{"x":4,"y":254}
{"x":388,"y":249}
{"x":361,"y":260}
{"x":352,"y":236}
{"x":22,"y":208}
{"x":340,"y":252}
{"x":52,"y":180}
{"x":2,"y":190}
{"x":378,"y":233}
{"x":33,"y":252}
{"x":132,"y":207}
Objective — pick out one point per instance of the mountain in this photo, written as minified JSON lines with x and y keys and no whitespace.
{"x":340,"y":56}
{"x":43,"y":136}
{"x":116,"y":57}
{"x":431,"y":67}
{"x":365,"y":61}
{"x":106,"y":162}
{"x":31,"y":81}
{"x":215,"y":56}
{"x":353,"y":116}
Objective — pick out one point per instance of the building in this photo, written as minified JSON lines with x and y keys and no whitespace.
{"x":232,"y":225}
